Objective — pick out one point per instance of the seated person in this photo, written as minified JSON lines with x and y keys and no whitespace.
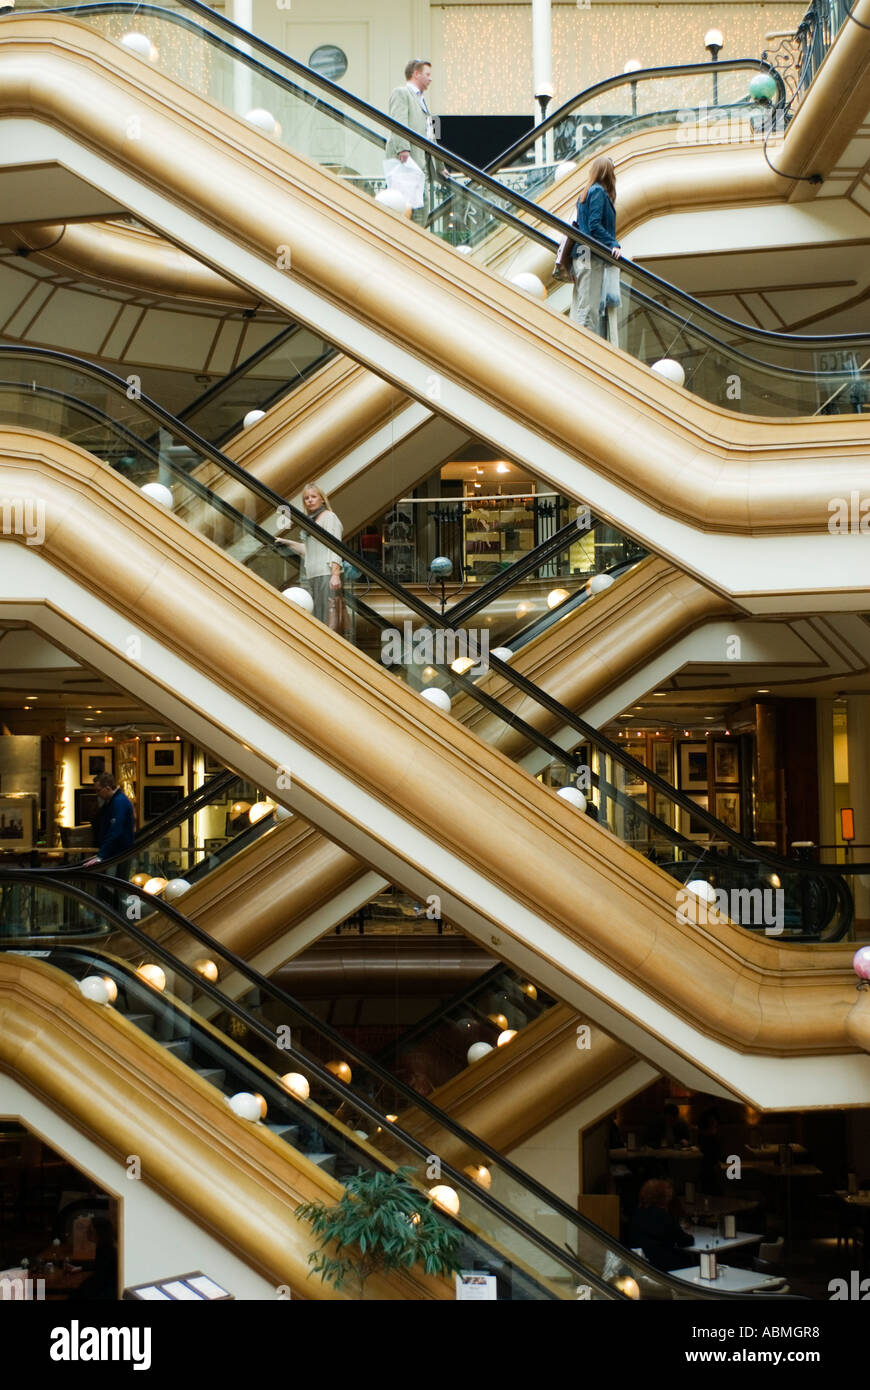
{"x":655,"y":1230}
{"x":670,"y":1132}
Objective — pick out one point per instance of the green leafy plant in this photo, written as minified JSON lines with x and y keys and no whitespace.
{"x":381,"y":1224}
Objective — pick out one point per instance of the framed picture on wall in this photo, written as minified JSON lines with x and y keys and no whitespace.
{"x":661,"y":759}
{"x":728,"y":809}
{"x":95,"y":758}
{"x":694,"y":761}
{"x":16,"y":822}
{"x":693,"y":828}
{"x":86,"y":803}
{"x":726,"y":762}
{"x":212,"y":766}
{"x":163,"y":760}
{"x":156,"y":801}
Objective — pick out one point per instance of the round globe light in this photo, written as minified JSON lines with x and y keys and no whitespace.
{"x":175,"y":888}
{"x":702,"y":889}
{"x":139,"y":880}
{"x":556,"y":596}
{"x":341,"y":1070}
{"x":392,"y":1118}
{"x":573,"y":796}
{"x":300,"y":597}
{"x":153,"y":975}
{"x":530,"y":284}
{"x":261,"y":1101}
{"x":446,"y":1198}
{"x":763,"y":88}
{"x":441,"y":567}
{"x":156,"y":885}
{"x":296,"y":1084}
{"x":502,"y":653}
{"x":252,"y":417}
{"x":139,"y":44}
{"x":246,"y":1106}
{"x":361,"y":1133}
{"x":563,"y":170}
{"x":263,"y":120}
{"x":499,"y":1020}
{"x":394,"y":200}
{"x":463,"y":250}
{"x":528,"y":989}
{"x":158,"y":493}
{"x":861,"y":962}
{"x":479,"y":1174}
{"x":111,"y":987}
{"x":478,"y":1051}
{"x":437,"y":697}
{"x":207,"y":969}
{"x":462,"y":664}
{"x":632,"y":65}
{"x":505,"y":1037}
{"x":669,"y":370}
{"x":598,"y":583}
{"x":714,"y":39}
{"x":93,"y":987}
{"x":628,"y":1286}
{"x":260,"y":810}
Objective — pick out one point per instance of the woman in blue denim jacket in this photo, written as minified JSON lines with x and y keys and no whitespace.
{"x":596,"y":284}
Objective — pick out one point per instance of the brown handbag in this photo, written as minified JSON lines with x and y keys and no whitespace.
{"x":337,"y":613}
{"x":564,"y":253}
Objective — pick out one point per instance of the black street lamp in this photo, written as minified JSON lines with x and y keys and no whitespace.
{"x":714,"y":42}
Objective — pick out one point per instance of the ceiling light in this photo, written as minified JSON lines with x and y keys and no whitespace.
{"x":762,"y":692}
{"x":502,"y":468}
{"x":659,"y":693}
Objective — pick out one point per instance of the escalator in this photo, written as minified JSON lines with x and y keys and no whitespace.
{"x":422,"y":801}
{"x":524,"y":366}
{"x":331,"y":1109}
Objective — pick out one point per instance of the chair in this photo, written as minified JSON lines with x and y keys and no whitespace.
{"x":770,"y":1256}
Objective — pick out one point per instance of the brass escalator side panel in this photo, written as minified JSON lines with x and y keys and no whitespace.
{"x":753,"y":993}
{"x":697,"y":463}
{"x":237,"y":1180}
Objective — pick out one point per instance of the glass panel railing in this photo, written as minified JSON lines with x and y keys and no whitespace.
{"x":315,"y":1090}
{"x":390,"y":624}
{"x":730,"y":364}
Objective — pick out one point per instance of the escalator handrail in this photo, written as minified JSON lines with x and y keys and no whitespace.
{"x":311,"y":1066}
{"x":666,"y":70}
{"x":422,"y":609}
{"x":479,"y":176}
{"x":369,"y":1064}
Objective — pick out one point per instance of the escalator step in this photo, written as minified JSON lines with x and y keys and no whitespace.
{"x":216,"y":1075}
{"x":289,"y":1133}
{"x":179,"y":1047}
{"x":143,"y":1021}
{"x":324,"y":1161}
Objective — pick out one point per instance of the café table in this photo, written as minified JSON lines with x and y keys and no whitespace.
{"x":708,"y":1240}
{"x":704,"y":1207}
{"x":771,"y":1151}
{"x":728,"y":1279}
{"x":625,"y":1155}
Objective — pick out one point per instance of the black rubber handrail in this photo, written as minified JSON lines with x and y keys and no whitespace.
{"x":310,"y":1066}
{"x":414,"y":1100}
{"x":587,"y":732}
{"x":437,"y":152}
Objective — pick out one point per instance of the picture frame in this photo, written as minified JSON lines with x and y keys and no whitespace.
{"x":694,"y":766}
{"x":728,"y":809}
{"x":633,"y":781}
{"x":163,"y":759}
{"x":692,"y":828}
{"x":211,"y":766}
{"x":726,"y":763}
{"x":662,"y":759}
{"x":95,"y":758}
{"x":16,"y":822}
{"x":86,"y":804}
{"x":156,"y":801}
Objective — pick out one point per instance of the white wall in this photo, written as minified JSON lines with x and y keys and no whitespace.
{"x":156,"y":1239}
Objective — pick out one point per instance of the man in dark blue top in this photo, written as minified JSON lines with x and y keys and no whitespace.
{"x":114,"y":823}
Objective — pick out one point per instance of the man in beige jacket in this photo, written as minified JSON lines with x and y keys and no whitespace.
{"x":408,"y":106}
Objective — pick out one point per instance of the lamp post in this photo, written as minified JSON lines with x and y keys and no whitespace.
{"x":542,"y":62}
{"x":633,"y":66}
{"x":714,"y":42}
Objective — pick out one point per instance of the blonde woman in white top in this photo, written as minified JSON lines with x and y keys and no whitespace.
{"x":322,"y":567}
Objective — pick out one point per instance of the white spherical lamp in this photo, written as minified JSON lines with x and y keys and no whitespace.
{"x":246,"y":1106}
{"x":669,"y":370}
{"x":394,"y":200}
{"x":158,"y":493}
{"x":111,"y":987}
{"x":153,"y":975}
{"x":439,"y":698}
{"x":260,"y":810}
{"x":598,"y":583}
{"x":632,"y":65}
{"x":93,"y":987}
{"x":263,"y":120}
{"x":175,"y":888}
{"x":446,"y":1198}
{"x":463,"y":250}
{"x":563,"y":170}
{"x":478,"y":1051}
{"x":140,"y":44}
{"x":252,"y":417}
{"x":573,"y":797}
{"x":530,"y":284}
{"x":702,"y":889}
{"x":155,"y":886}
{"x":505,"y":1037}
{"x":300,"y":597}
{"x":502,"y":653}
{"x":207,"y":969}
{"x":296,"y":1084}
{"x":480,"y":1174}
{"x":556,"y":596}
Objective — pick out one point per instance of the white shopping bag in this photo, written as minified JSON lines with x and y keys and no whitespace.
{"x":407,"y":178}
